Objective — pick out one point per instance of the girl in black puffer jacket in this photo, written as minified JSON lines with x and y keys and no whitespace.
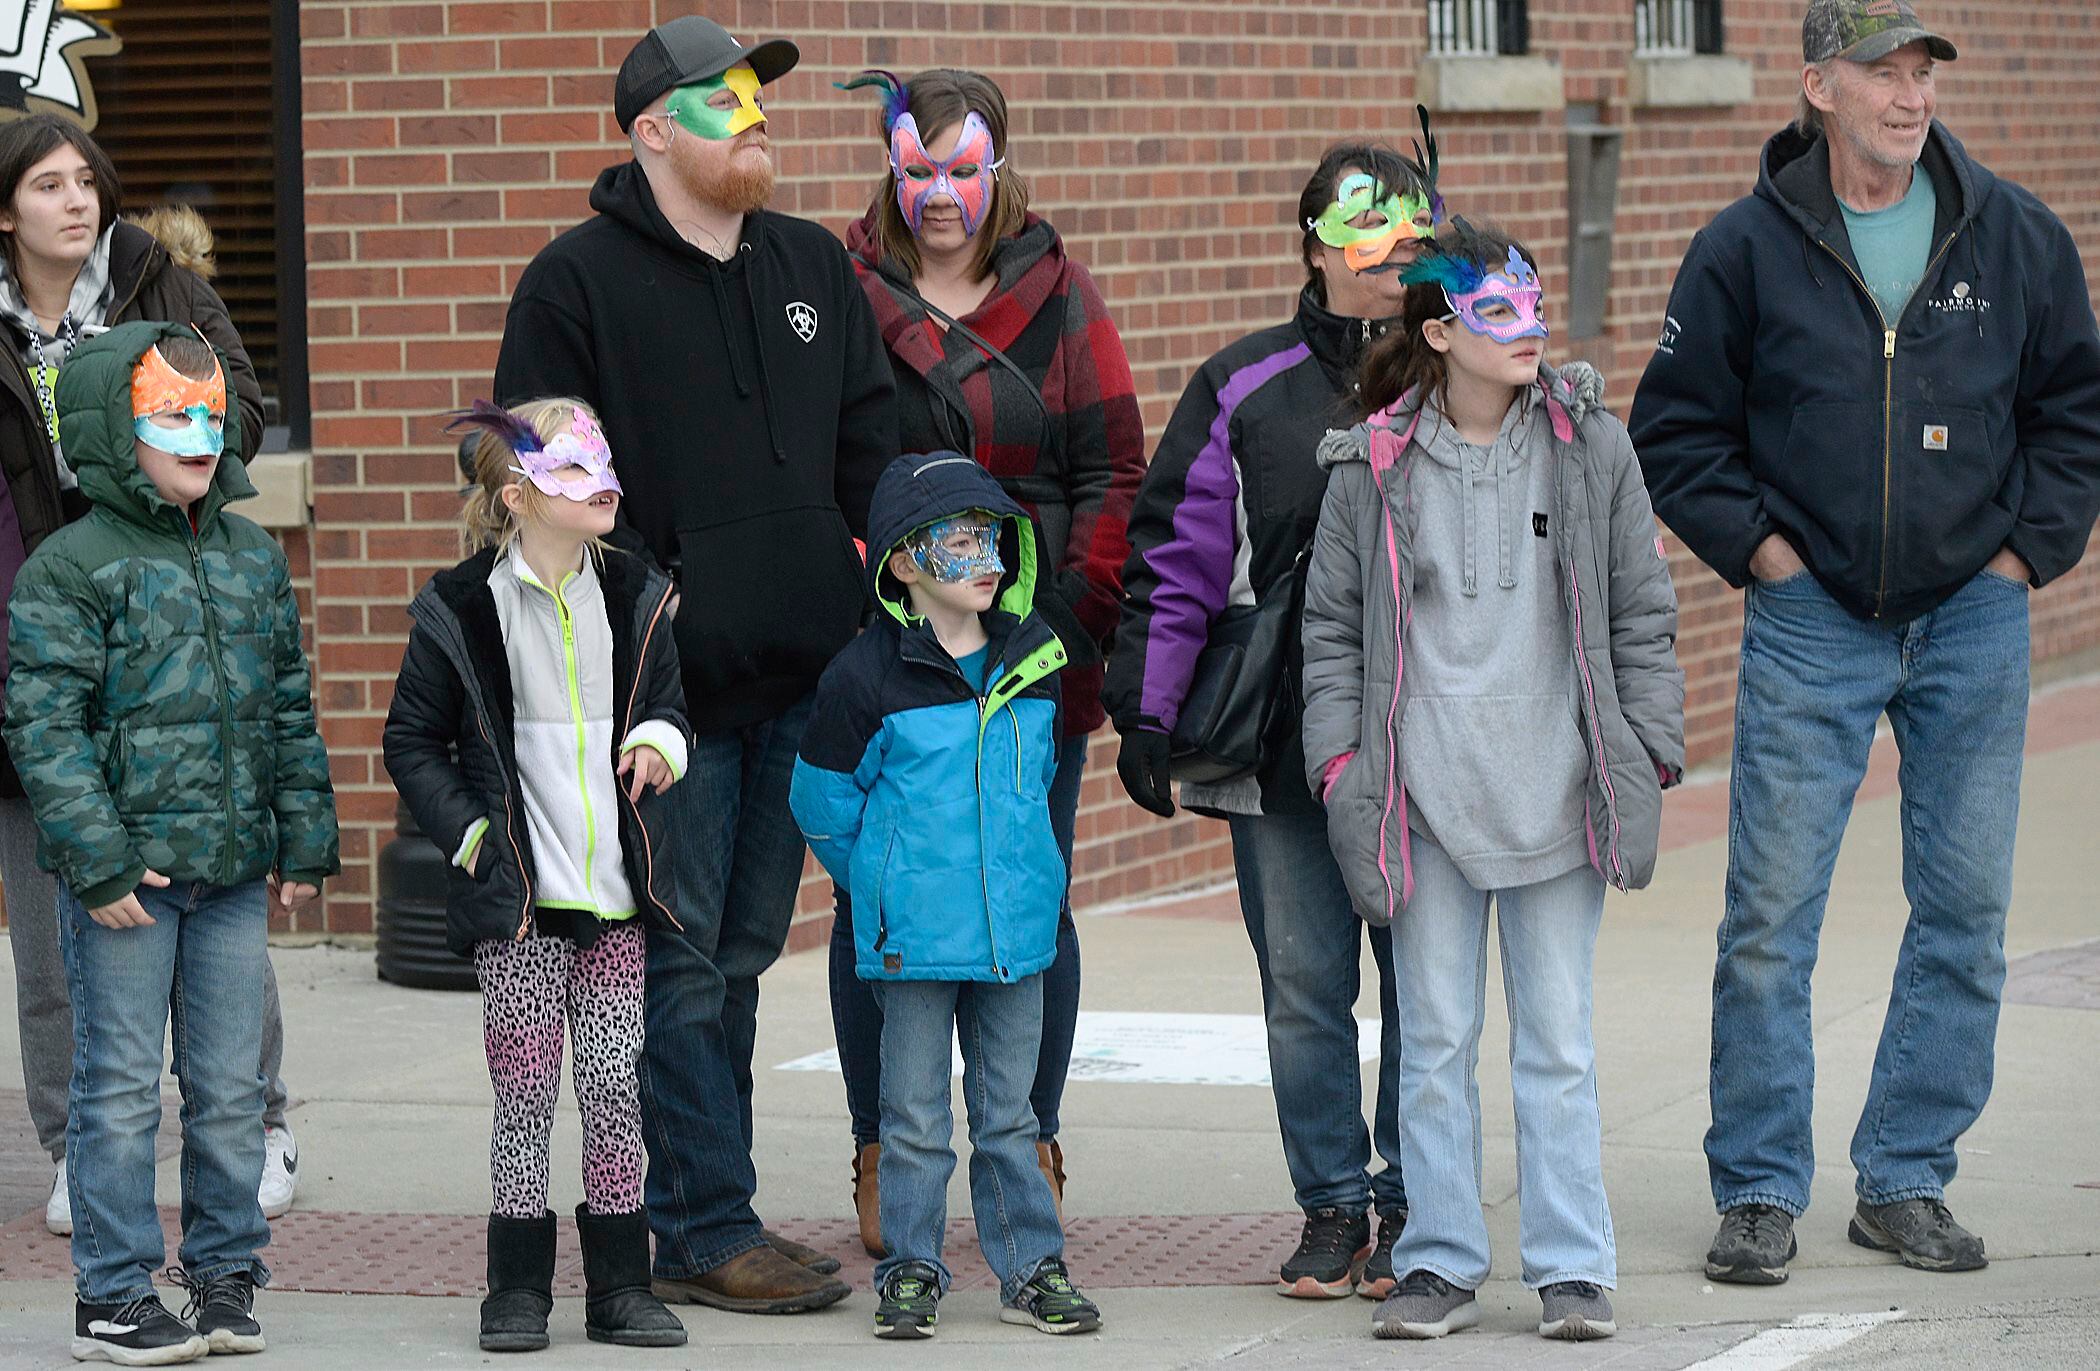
{"x":523,"y":661}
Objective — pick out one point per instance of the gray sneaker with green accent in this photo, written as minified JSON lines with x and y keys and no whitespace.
{"x":909,"y":1305}
{"x":1051,"y":1303}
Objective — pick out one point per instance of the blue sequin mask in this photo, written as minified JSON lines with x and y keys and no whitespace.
{"x":952,"y":551}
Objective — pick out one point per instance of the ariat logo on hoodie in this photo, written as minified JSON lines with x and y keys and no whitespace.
{"x":803,"y":319}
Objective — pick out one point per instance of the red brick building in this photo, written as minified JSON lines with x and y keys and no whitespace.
{"x":441,"y":144}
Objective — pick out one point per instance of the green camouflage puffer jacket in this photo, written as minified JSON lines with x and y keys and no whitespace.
{"x":158,"y":707}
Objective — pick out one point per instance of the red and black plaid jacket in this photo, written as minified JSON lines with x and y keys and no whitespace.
{"x":1074,"y":461}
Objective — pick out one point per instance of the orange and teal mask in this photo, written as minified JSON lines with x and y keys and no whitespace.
{"x":178,"y":414}
{"x":689,"y":105}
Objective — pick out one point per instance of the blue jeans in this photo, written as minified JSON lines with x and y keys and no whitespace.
{"x":1308,"y":948}
{"x":999,"y":1027}
{"x":200,"y":965}
{"x":740,"y":862}
{"x":856,"y":1019}
{"x":1548,"y":932}
{"x":1813,"y":681}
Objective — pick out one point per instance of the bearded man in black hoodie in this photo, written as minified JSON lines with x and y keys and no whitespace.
{"x":744,"y":390}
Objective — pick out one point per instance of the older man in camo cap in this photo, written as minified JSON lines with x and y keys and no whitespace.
{"x":1876,"y":407}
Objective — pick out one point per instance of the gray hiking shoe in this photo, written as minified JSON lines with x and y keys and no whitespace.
{"x":1921,"y":1233}
{"x":1754,"y":1245}
{"x":1425,"y":1305}
{"x":1575,"y":1311}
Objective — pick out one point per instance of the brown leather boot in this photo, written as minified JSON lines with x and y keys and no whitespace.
{"x":759,"y":1281}
{"x":1051,"y":1157}
{"x":867,"y":1197}
{"x":801,"y":1254}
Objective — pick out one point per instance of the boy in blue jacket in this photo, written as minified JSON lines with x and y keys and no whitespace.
{"x":923,"y":786}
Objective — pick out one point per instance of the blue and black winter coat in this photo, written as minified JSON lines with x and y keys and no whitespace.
{"x":926,"y":799}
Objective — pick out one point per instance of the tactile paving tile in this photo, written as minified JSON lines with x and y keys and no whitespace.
{"x":443,"y":1254}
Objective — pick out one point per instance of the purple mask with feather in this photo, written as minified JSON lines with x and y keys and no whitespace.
{"x":583,"y":447}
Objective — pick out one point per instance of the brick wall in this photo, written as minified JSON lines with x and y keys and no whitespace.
{"x":445,"y":142}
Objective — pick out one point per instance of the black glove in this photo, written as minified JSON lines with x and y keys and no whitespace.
{"x":1142,"y":763}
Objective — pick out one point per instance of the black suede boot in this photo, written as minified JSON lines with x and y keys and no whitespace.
{"x":521,"y":1284}
{"x":618,"y":1306}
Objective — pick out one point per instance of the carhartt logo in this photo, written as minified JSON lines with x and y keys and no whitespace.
{"x":1935,"y":437}
{"x":1538,"y":525}
{"x":803,"y":320}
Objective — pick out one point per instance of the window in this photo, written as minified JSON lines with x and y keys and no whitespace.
{"x":1677,"y":28}
{"x":1478,"y":28}
{"x":193,"y":110}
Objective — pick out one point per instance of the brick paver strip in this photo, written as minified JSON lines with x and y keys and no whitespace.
{"x":442,"y":1254}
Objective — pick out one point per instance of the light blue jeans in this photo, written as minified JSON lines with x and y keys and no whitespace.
{"x":198,"y":968}
{"x":1548,"y":933}
{"x":1813,"y":681}
{"x":1000,"y":1028}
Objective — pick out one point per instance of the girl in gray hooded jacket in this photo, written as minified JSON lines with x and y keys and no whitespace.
{"x":1492,"y":709}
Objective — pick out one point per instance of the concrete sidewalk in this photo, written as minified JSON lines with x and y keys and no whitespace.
{"x":393,"y":1118}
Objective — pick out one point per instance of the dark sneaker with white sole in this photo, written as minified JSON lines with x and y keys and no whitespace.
{"x":1377,"y":1280}
{"x":1050,"y":1303}
{"x":137,"y":1332}
{"x":1425,"y":1305}
{"x":909,"y":1302}
{"x":1754,"y":1245}
{"x":222,"y":1310}
{"x":1331,"y":1252}
{"x":1575,"y":1311}
{"x":1922,"y":1234}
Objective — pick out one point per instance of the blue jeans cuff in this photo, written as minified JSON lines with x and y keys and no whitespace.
{"x":125,"y":1296}
{"x":1915,"y":1192}
{"x":1792,"y":1207}
{"x":257,"y":1272}
{"x":700,"y":1266}
{"x":1556,"y":1277}
{"x":1434,"y":1269}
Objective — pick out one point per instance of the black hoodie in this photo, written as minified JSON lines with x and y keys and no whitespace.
{"x":750,"y":409}
{"x":1896,"y":455}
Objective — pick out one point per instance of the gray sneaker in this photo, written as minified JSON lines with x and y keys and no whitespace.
{"x":1575,"y":1311}
{"x":1425,"y":1305}
{"x":1921,"y":1233}
{"x":1754,"y":1245}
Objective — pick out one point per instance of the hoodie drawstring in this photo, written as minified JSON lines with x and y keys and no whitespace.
{"x":765,"y":377}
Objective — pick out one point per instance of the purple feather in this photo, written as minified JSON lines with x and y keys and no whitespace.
{"x":896,"y":101}
{"x":495,"y":419}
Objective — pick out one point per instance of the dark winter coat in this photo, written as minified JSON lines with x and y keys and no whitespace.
{"x":750,"y":411}
{"x":1072,"y":459}
{"x":1229,"y":503}
{"x":449,"y":740}
{"x":147,"y":283}
{"x":1896,"y":455}
{"x":159,"y":705}
{"x":926,"y":799}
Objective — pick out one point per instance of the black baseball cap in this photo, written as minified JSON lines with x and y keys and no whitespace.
{"x":689,"y":49}
{"x":1865,"y":31}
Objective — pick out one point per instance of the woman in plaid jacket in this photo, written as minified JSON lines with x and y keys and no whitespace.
{"x":1002,"y":349}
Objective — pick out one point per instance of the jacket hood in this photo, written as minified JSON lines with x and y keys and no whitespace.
{"x":182,"y":232}
{"x":1794,"y":174}
{"x":1571,"y":393}
{"x":622,"y":194}
{"x":95,"y":428}
{"x":922,"y":488}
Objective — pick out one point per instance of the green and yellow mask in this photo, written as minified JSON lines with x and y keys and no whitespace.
{"x":696,"y":109}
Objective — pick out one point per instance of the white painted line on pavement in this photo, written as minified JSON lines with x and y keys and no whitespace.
{"x":1810,"y":1335}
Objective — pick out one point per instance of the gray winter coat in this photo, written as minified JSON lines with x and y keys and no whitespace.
{"x":1623,"y":617}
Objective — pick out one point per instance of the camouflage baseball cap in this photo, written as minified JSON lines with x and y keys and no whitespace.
{"x":1865,"y":31}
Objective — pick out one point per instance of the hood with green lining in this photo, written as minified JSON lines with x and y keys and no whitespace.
{"x":924,"y":488}
{"x":95,"y":428}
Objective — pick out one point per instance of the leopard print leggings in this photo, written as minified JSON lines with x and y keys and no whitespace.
{"x":526,"y":987}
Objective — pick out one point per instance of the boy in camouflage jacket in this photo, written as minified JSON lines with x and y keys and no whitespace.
{"x":158,"y":711}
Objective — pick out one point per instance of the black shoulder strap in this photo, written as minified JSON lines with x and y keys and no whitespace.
{"x":976,"y":340}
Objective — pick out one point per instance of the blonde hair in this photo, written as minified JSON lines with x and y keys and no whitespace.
{"x":487,"y":521}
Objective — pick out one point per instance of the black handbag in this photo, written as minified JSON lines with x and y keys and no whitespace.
{"x":1242,"y":709}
